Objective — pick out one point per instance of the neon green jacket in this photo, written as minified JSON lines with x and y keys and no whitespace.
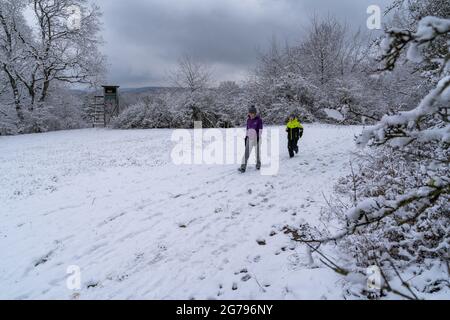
{"x":294,"y":129}
{"x":294,"y":124}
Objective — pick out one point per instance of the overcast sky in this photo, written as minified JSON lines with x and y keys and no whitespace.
{"x":145,"y":38}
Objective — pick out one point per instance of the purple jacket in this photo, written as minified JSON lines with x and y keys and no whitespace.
{"x":254,"y":127}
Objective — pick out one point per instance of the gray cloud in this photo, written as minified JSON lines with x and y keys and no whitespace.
{"x":144,"y":38}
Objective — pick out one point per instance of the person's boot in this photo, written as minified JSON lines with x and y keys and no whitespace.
{"x":291,"y":153}
{"x":242,"y":169}
{"x":296,"y":149}
{"x":258,"y":166}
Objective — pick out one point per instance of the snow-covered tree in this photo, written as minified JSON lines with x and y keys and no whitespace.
{"x":66,"y":53}
{"x":52,"y":53}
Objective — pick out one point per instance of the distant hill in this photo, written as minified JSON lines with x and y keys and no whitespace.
{"x":144,"y":89}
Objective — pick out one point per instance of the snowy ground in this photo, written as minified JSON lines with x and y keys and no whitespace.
{"x":139,"y":226}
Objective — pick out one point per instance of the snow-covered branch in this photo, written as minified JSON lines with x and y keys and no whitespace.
{"x":408,"y":126}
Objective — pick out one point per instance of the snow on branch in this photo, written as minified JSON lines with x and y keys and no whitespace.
{"x":373,"y":210}
{"x":405,"y":124}
{"x":406,"y":127}
{"x":429,"y":29}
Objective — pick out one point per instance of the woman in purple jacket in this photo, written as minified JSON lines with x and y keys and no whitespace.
{"x":252,"y":139}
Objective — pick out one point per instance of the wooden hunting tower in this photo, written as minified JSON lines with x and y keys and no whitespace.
{"x":106,"y":106}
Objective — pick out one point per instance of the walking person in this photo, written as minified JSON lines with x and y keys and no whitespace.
{"x":295,"y":132}
{"x":253,"y":138}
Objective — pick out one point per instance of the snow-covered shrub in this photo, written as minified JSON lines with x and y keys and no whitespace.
{"x":146,"y":114}
{"x":62,"y":112}
{"x":200,"y":106}
{"x":40,"y":120}
{"x":278,"y":113}
{"x":408,"y":200}
{"x":52,"y":118}
{"x":67,"y":107}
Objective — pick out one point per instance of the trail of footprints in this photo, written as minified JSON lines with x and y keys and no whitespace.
{"x":258,"y":197}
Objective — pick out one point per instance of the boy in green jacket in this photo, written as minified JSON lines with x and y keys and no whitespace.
{"x":295,"y":132}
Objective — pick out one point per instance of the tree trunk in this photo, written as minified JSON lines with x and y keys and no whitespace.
{"x":44,"y":91}
{"x":16,"y":95}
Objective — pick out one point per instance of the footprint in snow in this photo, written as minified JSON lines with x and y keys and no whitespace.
{"x":92,"y":284}
{"x":261,"y":242}
{"x":43,"y":259}
{"x":246,"y":278}
{"x":138,"y":256}
{"x":235,"y":213}
{"x":242,"y":271}
{"x":162,"y":247}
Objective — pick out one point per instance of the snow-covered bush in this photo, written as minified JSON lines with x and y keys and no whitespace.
{"x":202,"y":106}
{"x":146,"y":114}
{"x":62,"y":112}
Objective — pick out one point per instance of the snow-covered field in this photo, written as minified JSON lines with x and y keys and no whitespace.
{"x":140,"y":227}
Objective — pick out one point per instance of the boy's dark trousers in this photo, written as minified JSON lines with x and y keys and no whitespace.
{"x":294,"y":136}
{"x":293,"y":146}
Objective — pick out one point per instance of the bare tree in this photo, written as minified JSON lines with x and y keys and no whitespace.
{"x":191,"y":74}
{"x":323,"y":49}
{"x":271,"y":63}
